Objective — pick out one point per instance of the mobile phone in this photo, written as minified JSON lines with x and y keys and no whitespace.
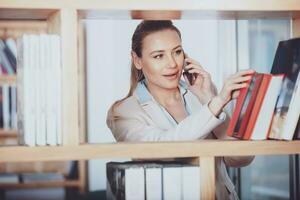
{"x":190,"y":76}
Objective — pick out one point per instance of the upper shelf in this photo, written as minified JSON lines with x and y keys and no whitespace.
{"x":149,"y":150}
{"x":228,"y":5}
{"x":237,"y":9}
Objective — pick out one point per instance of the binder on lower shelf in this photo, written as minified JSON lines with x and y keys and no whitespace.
{"x":152,"y":180}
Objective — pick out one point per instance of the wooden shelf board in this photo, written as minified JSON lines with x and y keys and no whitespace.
{"x":23,"y":24}
{"x":148,"y":150}
{"x":40,"y":184}
{"x":25,"y":14}
{"x":36,"y":9}
{"x":195,"y":14}
{"x":8,"y":134}
{"x":8,"y":79}
{"x":165,"y":4}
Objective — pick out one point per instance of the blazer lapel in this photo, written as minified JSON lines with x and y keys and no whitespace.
{"x":151,"y":107}
{"x":192,"y":103}
{"x":157,"y":115}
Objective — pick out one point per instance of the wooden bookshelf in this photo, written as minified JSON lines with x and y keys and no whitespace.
{"x":218,"y":5}
{"x":206,"y":148}
{"x":41,"y":184}
{"x":8,"y":79}
{"x":63,"y":17}
{"x":8,"y":133}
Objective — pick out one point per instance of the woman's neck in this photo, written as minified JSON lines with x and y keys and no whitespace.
{"x":165,"y":97}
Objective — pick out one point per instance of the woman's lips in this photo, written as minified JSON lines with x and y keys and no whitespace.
{"x":171,"y":76}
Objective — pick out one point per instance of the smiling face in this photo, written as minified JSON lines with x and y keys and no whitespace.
{"x":162,"y":59}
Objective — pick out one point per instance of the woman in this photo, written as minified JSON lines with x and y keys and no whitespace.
{"x":162,"y":107}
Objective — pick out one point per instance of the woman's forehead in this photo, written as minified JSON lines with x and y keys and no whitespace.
{"x":161,"y":40}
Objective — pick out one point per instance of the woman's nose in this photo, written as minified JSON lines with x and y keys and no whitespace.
{"x":172,"y":62}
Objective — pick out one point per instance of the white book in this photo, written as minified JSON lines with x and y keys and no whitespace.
{"x":20,"y":91}
{"x":14,"y":107}
{"x":264,"y":119}
{"x":292,"y":117}
{"x":30,"y":101}
{"x":56,"y":53}
{"x":190,"y":183}
{"x":1,"y":106}
{"x":153,"y":182}
{"x":40,"y":66}
{"x":37,"y":88}
{"x":172,"y":182}
{"x":52,"y":138}
{"x":26,"y":121}
{"x":2,"y":68}
{"x":6,"y":112}
{"x":134,"y":183}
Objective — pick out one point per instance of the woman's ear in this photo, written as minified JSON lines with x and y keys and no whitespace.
{"x":136,"y":60}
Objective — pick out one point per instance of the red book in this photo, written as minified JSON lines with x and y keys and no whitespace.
{"x":248,"y":106}
{"x":257,"y":104}
{"x":238,"y":107}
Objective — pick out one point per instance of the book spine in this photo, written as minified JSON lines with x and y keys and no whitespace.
{"x":238,"y":108}
{"x":248,"y":109}
{"x":190,"y":182}
{"x":6,"y":114}
{"x":153,"y":183}
{"x":265,"y":115}
{"x":134,"y":183}
{"x":1,"y":107}
{"x":30,"y":102}
{"x":14,"y":106}
{"x":290,"y":123}
{"x":57,"y":95}
{"x":257,"y":105}
{"x":172,"y":183}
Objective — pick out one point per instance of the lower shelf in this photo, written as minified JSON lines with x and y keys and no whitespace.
{"x":207,"y":148}
{"x":41,"y":184}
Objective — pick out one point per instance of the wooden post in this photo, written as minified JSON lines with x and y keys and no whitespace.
{"x":295,"y":28}
{"x":82,"y":168}
{"x":207,"y":178}
{"x":64,"y":22}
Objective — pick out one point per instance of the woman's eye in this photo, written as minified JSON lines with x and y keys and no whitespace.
{"x":178,"y":52}
{"x":158,"y":56}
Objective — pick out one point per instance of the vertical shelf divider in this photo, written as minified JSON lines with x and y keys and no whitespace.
{"x":64,"y":22}
{"x":295,"y":27}
{"x":207,"y":177}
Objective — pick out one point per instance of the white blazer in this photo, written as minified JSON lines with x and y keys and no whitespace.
{"x":140,"y":118}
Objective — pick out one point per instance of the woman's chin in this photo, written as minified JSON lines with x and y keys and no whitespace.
{"x":171,"y":84}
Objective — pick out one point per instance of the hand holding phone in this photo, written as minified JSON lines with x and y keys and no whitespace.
{"x":190,"y":76}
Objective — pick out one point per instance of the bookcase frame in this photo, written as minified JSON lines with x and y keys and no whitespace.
{"x":63,"y":17}
{"x":42,"y":21}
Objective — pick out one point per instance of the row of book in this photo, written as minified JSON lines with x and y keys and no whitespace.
{"x":152,"y":180}
{"x":269,"y":108}
{"x":8,"y":107}
{"x":8,"y":56}
{"x":39,"y":89}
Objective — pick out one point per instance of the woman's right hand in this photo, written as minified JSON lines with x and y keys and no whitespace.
{"x":230,"y":90}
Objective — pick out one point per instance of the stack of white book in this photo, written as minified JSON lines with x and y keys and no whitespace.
{"x":152,"y":181}
{"x":39,"y":89}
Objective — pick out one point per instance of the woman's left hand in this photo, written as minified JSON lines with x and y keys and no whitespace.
{"x":202,"y":85}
